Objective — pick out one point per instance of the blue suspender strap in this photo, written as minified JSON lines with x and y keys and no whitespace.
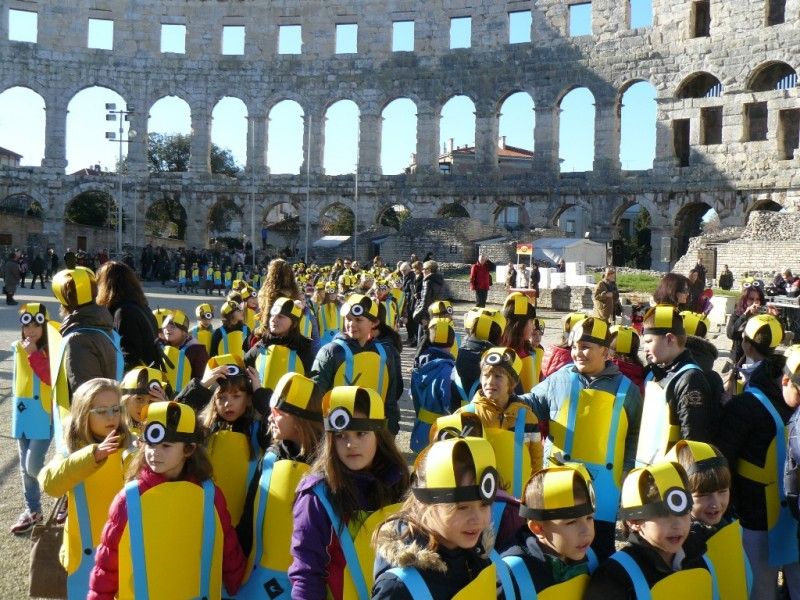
{"x":58,"y":429}
{"x":473,"y":389}
{"x":224,"y":341}
{"x":591,"y":558}
{"x":115,"y":340}
{"x":381,"y":367}
{"x":713,"y":571}
{"x":634,"y":571}
{"x":522,"y":577}
{"x":497,"y":515}
{"x":460,"y":387}
{"x":84,"y":522}
{"x":179,"y":373}
{"x":470,"y":408}
{"x":619,"y":404}
{"x":348,"y":361}
{"x":134,"y":502}
{"x":503,"y":574}
{"x":649,"y":377}
{"x":292,"y":361}
{"x":263,"y":489}
{"x":783,"y":547}
{"x":261,"y":362}
{"x":209,"y":533}
{"x":415,"y":584}
{"x":346,"y":541}
{"x":256,"y":451}
{"x":572,"y":414}
{"x":519,"y":448}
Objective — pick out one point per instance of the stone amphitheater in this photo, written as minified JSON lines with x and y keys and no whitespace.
{"x":727,"y":126}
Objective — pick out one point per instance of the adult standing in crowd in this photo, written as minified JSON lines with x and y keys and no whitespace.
{"x":725,"y":278}
{"x":480,"y":280}
{"x":535,"y":278}
{"x":37,"y":270}
{"x":606,"y":297}
{"x":52,"y":263}
{"x":408,"y":292}
{"x":416,"y":288}
{"x":119,"y":290}
{"x":750,"y":303}
{"x":432,"y":290}
{"x":11,"y":277}
{"x":673,"y":289}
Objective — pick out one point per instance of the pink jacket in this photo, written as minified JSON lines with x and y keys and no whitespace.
{"x":104,"y":580}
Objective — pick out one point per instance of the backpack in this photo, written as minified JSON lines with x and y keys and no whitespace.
{"x":432,"y":391}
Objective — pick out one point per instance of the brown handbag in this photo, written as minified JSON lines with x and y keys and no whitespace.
{"x":48,"y":579}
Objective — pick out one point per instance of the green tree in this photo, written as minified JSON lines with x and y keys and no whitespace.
{"x":166,"y":218}
{"x":170,"y":153}
{"x":339,"y":220}
{"x":92,"y":208}
{"x":638,"y":252}
{"x":395,"y":216}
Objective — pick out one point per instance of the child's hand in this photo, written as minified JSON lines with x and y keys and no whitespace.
{"x":28,"y":345}
{"x":218,"y":373}
{"x":159,"y":394}
{"x":254,"y":378}
{"x":107,"y":446}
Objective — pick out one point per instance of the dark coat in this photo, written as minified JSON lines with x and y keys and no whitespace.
{"x":432,"y":290}
{"x":138,"y":331}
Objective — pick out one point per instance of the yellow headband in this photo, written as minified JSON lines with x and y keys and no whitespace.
{"x":506,"y":358}
{"x":666,"y":319}
{"x":695,"y":323}
{"x":704,"y":456}
{"x":764,"y":326}
{"x":292,"y":394}
{"x":590,"y":330}
{"x":441,"y":485}
{"x":674,"y":498}
{"x":339,"y":409}
{"x":169,"y":422}
{"x":624,"y":338}
{"x":559,"y":500}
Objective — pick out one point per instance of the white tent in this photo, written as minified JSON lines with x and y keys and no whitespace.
{"x":552,"y":250}
{"x":331,"y":241}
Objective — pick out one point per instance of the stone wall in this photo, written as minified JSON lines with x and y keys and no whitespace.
{"x":730,"y":176}
{"x":564,"y":299}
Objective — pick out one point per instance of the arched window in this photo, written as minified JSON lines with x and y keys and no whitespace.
{"x":576,"y":131}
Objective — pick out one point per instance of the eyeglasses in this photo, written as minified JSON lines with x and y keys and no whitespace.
{"x":111,"y":411}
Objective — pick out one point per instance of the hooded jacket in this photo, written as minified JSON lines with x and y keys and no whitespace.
{"x":88,"y":354}
{"x":547,"y":398}
{"x":331,"y":356}
{"x":689,"y":397}
{"x":705,"y":353}
{"x":444,"y":571}
{"x":554,"y":358}
{"x":611,"y":580}
{"x":137,"y":328}
{"x":745,"y":431}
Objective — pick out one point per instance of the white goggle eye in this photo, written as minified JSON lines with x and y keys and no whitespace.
{"x":208,"y":315}
{"x":488,"y":484}
{"x":677,"y":500}
{"x":26,"y":318}
{"x":357,"y":310}
{"x":493,"y":359}
{"x":155,"y":387}
{"x":40,"y":318}
{"x":155,"y":433}
{"x":232,"y":370}
{"x":339,"y":419}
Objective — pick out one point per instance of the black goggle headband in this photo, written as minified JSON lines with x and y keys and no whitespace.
{"x":550,"y":514}
{"x":340,"y":420}
{"x":27,"y":318}
{"x":485,"y":491}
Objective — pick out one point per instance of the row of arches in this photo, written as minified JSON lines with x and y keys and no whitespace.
{"x":772,"y":75}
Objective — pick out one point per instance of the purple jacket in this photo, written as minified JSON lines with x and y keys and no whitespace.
{"x":317,"y":559}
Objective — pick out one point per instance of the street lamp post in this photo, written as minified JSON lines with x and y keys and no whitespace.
{"x":121,"y":115}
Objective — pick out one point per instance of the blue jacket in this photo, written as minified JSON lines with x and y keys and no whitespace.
{"x":547,"y":398}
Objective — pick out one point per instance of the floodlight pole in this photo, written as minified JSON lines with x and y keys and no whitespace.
{"x":355,"y":196}
{"x":308,"y":183}
{"x":112,"y":114}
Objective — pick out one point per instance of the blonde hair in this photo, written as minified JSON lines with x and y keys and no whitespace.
{"x":77,"y":433}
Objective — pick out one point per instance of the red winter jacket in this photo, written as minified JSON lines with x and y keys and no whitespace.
{"x":104,"y":580}
{"x":632,"y":371}
{"x":554,"y":358}
{"x":479,"y":277}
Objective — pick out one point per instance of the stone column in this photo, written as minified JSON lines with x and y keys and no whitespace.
{"x":200,"y":159}
{"x":427,"y":141}
{"x":369,"y":144}
{"x":606,"y":135}
{"x":660,"y":236}
{"x":55,"y":135}
{"x":257,"y":133}
{"x":137,"y":146}
{"x":314,"y":120}
{"x":487,"y":125}
{"x":545,"y":136}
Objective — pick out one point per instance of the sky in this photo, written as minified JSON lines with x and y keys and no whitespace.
{"x":22,"y":111}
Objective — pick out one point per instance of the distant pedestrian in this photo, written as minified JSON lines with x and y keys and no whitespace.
{"x":11,"y":277}
{"x":52,"y":263}
{"x":37,"y":271}
{"x":480,"y":280}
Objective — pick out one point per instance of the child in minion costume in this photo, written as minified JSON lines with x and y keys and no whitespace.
{"x":349,"y":360}
{"x":328,"y":315}
{"x":509,"y":424}
{"x":435,"y":390}
{"x":160,"y":314}
{"x":250,"y":307}
{"x":661,"y":561}
{"x":709,"y":483}
{"x":519,"y":311}
{"x":593,"y":413}
{"x":31,"y":417}
{"x":177,"y":360}
{"x":203,"y":331}
{"x":551,"y":557}
{"x":753,"y":439}
{"x":624,"y":352}
{"x":412,"y":561}
{"x":558,"y":355}
{"x":285,"y":463}
{"x":194,"y":281}
{"x":218,"y":283}
{"x":382,"y":295}
{"x":140,"y":387}
{"x":485,"y":328}
{"x":181,"y":279}
{"x":171,"y":537}
{"x":232,"y":337}
{"x":443,"y":309}
{"x":227,"y":278}
{"x":697,"y":326}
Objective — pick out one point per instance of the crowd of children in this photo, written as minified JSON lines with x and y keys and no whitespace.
{"x":258,"y":459}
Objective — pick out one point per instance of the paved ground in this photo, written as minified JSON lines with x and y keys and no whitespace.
{"x":15,"y":551}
